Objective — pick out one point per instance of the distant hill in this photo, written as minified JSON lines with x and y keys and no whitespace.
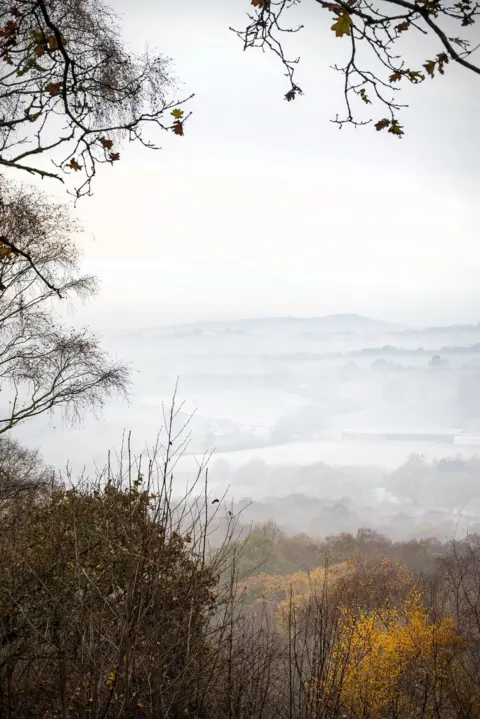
{"x":330,"y":324}
{"x":446,"y":330}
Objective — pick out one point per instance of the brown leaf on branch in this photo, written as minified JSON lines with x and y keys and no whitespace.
{"x":442,"y":60}
{"x":53,"y":88}
{"x":364,"y":96}
{"x":73,"y":164}
{"x":178,"y":127}
{"x":395,"y":77}
{"x":258,"y":3}
{"x":333,"y":7}
{"x":382,"y":124}
{"x":106,"y":144}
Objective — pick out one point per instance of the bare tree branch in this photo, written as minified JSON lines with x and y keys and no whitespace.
{"x":65,"y":58}
{"x":43,"y":365}
{"x":375,"y":67}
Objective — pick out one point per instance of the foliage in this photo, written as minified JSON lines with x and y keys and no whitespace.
{"x":388,"y":653}
{"x":377,"y":64}
{"x":113,"y":604}
{"x":105,"y":602}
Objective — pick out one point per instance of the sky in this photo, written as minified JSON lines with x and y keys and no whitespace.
{"x":265,"y":208}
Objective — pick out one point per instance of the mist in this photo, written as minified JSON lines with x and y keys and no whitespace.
{"x":322,"y":424}
{"x":327,"y":351}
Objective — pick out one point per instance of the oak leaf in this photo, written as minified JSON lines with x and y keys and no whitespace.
{"x":74,"y":165}
{"x":395,"y":77}
{"x":106,"y":144}
{"x":178,"y":127}
{"x":382,"y":124}
{"x":343,"y":26}
{"x":415,"y":76}
{"x":396,"y":129}
{"x":364,"y":96}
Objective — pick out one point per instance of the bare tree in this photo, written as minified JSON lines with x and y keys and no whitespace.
{"x":376,"y":65}
{"x":22,"y":473}
{"x":70,"y":91}
{"x":42,"y":364}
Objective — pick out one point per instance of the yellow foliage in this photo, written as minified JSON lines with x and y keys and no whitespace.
{"x":382,"y":652}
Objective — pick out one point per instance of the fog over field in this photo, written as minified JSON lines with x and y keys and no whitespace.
{"x":377,"y":424}
{"x":354,"y":254}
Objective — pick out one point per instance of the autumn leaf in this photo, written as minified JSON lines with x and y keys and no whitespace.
{"x":442,"y":60}
{"x":74,"y":165}
{"x":114,"y":156}
{"x":177,"y":113}
{"x":53,"y":88}
{"x":178,"y":127}
{"x":258,"y":3}
{"x":403,"y":26}
{"x":430,"y":67}
{"x":396,"y":129}
{"x":415,"y":76}
{"x":364,"y":96}
{"x":343,"y":26}
{"x":106,"y":144}
{"x":333,"y":7}
{"x":6,"y":252}
{"x":382,"y":124}
{"x":395,"y":77}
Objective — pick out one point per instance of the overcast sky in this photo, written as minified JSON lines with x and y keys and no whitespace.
{"x":266,"y":208}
